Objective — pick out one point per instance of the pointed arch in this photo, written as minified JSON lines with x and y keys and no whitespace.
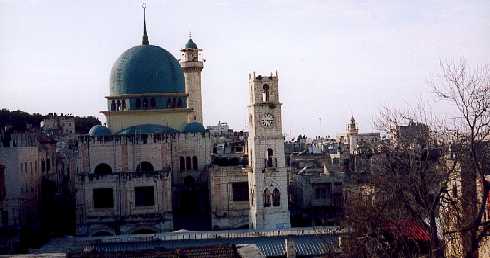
{"x":265,"y":93}
{"x":276,"y":197}
{"x":267,"y":198}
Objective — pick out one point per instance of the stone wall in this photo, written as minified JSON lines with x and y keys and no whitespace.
{"x":226,"y":213}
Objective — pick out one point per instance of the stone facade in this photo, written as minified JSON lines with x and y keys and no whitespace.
{"x":268,"y":176}
{"x":24,"y":160}
{"x":229,"y":197}
{"x":122,"y":163}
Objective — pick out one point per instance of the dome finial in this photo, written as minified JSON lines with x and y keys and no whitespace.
{"x":145,"y":35}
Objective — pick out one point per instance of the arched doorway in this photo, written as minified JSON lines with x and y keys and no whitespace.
{"x":103,"y":169}
{"x":191,"y":205}
{"x":145,"y":166}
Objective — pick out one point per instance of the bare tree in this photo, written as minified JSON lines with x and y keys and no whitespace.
{"x":407,"y":183}
{"x":468,"y":90}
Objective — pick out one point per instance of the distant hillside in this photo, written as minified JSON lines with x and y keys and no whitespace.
{"x":20,"y":121}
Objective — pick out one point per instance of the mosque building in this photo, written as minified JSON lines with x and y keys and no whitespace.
{"x":151,"y":168}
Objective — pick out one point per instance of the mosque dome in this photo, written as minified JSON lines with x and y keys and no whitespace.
{"x":148,"y":129}
{"x":146,"y":69}
{"x":194,"y":127}
{"x":99,"y":130}
{"x":190,"y":44}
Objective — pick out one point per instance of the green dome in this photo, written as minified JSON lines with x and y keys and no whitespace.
{"x":99,"y":130}
{"x":194,"y":127}
{"x":190,"y":44}
{"x":146,"y":69}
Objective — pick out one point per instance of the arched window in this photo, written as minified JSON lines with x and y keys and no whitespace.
{"x":169,"y":103}
{"x":145,"y":103}
{"x":174,"y":102}
{"x":123,"y":104}
{"x":138,"y":104}
{"x":265,"y":93}
{"x":43,"y":166}
{"x":270,"y":153}
{"x":182,"y":164}
{"x":267,"y":198}
{"x":276,"y":197}
{"x":179,"y":102}
{"x":144,"y":166}
{"x":118,"y":105}
{"x":153,"y":103}
{"x":103,"y":169}
{"x":113,"y":105}
{"x":188,"y":163}
{"x":194,"y":163}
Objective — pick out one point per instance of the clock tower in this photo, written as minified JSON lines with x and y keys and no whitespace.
{"x":268,"y":177}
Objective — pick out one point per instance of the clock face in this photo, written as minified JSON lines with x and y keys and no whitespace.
{"x":267,"y":120}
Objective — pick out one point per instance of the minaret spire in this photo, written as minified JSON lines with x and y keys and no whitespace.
{"x":145,"y":36}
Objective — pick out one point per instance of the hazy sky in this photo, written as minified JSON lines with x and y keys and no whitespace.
{"x":335,"y":58}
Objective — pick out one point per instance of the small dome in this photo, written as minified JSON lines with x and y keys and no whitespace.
{"x":148,"y":129}
{"x":99,"y":130}
{"x":190,"y":44}
{"x":146,"y":69}
{"x":194,"y":127}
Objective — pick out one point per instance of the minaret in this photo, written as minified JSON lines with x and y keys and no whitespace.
{"x":352,"y":132}
{"x":268,"y":177}
{"x":352,"y":127}
{"x":192,"y":67}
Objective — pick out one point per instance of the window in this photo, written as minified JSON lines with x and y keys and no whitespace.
{"x":138,"y":104}
{"x":144,"y":196}
{"x":113,"y":105}
{"x":265,"y":93}
{"x":103,"y":169}
{"x":103,"y":198}
{"x":267,"y":198}
{"x":276,"y":197}
{"x":188,"y":163}
{"x":3,"y":189}
{"x":48,"y":165}
{"x":43,"y":166}
{"x":182,"y":164}
{"x":270,"y":153}
{"x":145,"y":166}
{"x":320,"y":193}
{"x":194,"y":163}
{"x":145,"y":103}
{"x":123,"y":105}
{"x":118,"y":105}
{"x":5,"y":218}
{"x":240,"y":191}
{"x":323,"y":191}
{"x":153,"y":104}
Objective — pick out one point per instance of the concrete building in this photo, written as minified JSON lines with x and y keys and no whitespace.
{"x":24,"y":159}
{"x":59,"y":125}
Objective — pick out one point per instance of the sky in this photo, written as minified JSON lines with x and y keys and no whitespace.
{"x":335,"y":59}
